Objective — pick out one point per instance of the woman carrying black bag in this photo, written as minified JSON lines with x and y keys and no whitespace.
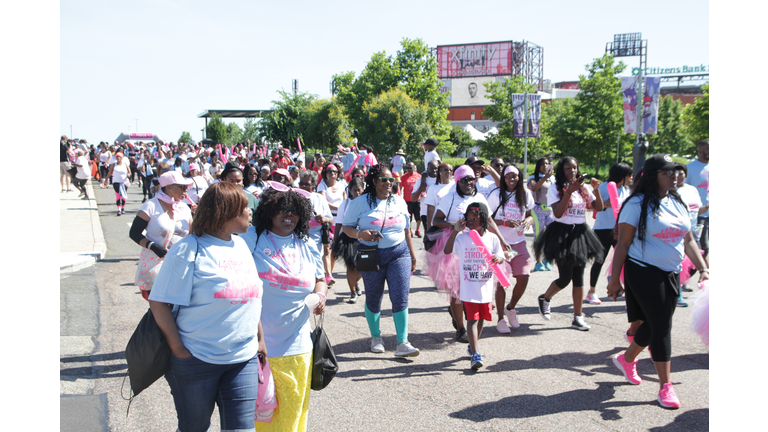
{"x":379,"y":219}
{"x":216,"y":339}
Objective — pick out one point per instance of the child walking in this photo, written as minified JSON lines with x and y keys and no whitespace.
{"x":477,"y":283}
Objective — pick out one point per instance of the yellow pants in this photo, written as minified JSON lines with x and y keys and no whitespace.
{"x":293,"y":379}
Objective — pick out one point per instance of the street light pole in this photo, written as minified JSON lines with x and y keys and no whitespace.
{"x":525,"y":134}
{"x":137,"y":125}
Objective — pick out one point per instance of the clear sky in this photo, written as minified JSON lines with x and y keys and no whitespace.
{"x":158,"y":64}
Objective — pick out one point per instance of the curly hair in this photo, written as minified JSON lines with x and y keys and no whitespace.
{"x":561,"y":181}
{"x":274,"y":202}
{"x":518,"y":193}
{"x":370,"y":185}
{"x":648,"y":187}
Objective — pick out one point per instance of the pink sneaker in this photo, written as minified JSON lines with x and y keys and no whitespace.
{"x":668,"y":398}
{"x":329,"y":280}
{"x":629,"y":338}
{"x":629,"y":369}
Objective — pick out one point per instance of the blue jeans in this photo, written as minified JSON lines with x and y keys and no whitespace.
{"x":197,"y":385}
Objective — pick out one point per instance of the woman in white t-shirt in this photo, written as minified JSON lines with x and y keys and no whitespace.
{"x":443,"y":268}
{"x":621,"y":174}
{"x":344,"y":245}
{"x":334,"y":194}
{"x":443,"y":185}
{"x":119,"y":172}
{"x":539,"y":183}
{"x":83,"y":173}
{"x":198,"y":187}
{"x":654,"y":236}
{"x":569,"y":241}
{"x":510,"y":207}
{"x":166,"y":219}
{"x":104,"y":157}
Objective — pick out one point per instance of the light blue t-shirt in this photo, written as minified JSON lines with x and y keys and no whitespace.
{"x":398,"y":161}
{"x":288,"y":268}
{"x":220,"y":293}
{"x":360,"y":214}
{"x":664,"y":233}
{"x":698,"y":177}
{"x":605,"y":218}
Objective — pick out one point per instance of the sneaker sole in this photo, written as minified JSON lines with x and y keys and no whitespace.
{"x":623,"y":372}
{"x":477,"y":365}
{"x":377,"y":351}
{"x":546,"y":317}
{"x":666,"y":406}
{"x":580,"y":328}
{"x":410,"y":354}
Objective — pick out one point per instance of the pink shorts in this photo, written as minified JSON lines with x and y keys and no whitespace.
{"x":521,"y":263}
{"x":478,"y":311}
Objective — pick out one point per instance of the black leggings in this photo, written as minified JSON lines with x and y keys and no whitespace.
{"x":568,"y":273}
{"x":119,"y":201}
{"x":652,"y":297}
{"x":146,"y":183}
{"x":606,"y":239}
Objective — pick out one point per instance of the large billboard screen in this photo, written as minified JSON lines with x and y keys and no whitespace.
{"x":483,"y":59}
{"x":469,"y":91}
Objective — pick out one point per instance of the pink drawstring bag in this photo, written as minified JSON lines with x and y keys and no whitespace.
{"x":266,"y":400}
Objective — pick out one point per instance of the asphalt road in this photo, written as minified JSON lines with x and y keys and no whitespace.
{"x":543,"y":376}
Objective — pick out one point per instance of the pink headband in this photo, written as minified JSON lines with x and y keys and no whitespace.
{"x":463,"y":171}
{"x":510,"y":169}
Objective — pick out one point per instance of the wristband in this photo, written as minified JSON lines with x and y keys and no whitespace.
{"x":149,"y":245}
{"x":321,"y":295}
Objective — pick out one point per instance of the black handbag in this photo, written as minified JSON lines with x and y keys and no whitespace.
{"x":324,"y":364}
{"x":148,"y":354}
{"x":367,"y":257}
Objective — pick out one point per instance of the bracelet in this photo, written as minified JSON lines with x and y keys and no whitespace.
{"x":149,"y":245}
{"x":704,"y":270}
{"x":321,"y":295}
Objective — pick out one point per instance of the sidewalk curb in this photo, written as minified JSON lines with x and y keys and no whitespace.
{"x":74,"y":261}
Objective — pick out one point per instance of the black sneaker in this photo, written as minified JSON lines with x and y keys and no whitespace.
{"x":453,"y":320}
{"x":544,"y":307}
{"x":357,"y":288}
{"x":578,"y":322}
{"x":461,"y":335}
{"x":684,"y":288}
{"x":353,"y":298}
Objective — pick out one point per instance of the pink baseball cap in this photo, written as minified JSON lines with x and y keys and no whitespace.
{"x":194,"y":166}
{"x":173,"y":177}
{"x":463,"y":171}
{"x":281,"y":171}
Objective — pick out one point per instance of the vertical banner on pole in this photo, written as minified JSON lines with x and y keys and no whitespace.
{"x":651,"y":105}
{"x":534,"y":115}
{"x":629,"y":94}
{"x":518,"y":114}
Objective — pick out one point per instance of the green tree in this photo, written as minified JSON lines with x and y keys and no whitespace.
{"x":282,"y":124}
{"x":185,"y":138}
{"x":461,"y":139}
{"x":251,"y":131}
{"x":324,"y":126}
{"x":216,"y":129}
{"x":599,"y":111}
{"x":671,"y":136}
{"x":396,"y":121}
{"x":412,"y":70}
{"x":696,"y":118}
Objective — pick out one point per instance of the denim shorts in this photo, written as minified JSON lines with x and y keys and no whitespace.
{"x":196,"y":386}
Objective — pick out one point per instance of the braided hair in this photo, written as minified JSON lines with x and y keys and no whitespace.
{"x":505,"y":194}
{"x":370,"y":185}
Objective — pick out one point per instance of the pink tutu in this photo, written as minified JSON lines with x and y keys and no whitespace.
{"x":609,"y":261}
{"x":441,"y":267}
{"x":700,"y":323}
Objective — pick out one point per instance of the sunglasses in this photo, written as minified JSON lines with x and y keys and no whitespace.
{"x":305,"y":184}
{"x":291,"y":210}
{"x":671,"y":173}
{"x":359,"y":175}
{"x":467,"y":180}
{"x":332,"y":171}
{"x":387,"y":179}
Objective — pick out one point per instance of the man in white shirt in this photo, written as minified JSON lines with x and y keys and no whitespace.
{"x":430,"y":154}
{"x":486,"y":184}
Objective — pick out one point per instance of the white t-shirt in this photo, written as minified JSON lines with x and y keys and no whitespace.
{"x":430,"y":181}
{"x":429,"y":157}
{"x":334,"y":198}
{"x":435,"y":194}
{"x":342,"y":211}
{"x":84,"y":170}
{"x":160,"y":223}
{"x":477,"y":283}
{"x":485,"y":185}
{"x":120,"y":172}
{"x":690,"y":195}
{"x":576,"y":213}
{"x":510,"y":211}
{"x":196,"y":190}
{"x":453,"y":206}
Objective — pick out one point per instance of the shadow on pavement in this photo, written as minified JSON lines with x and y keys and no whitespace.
{"x":694,"y":420}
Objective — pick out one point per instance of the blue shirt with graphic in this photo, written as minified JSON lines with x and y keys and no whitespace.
{"x":665,"y":232}
{"x":698,"y":177}
{"x":360,"y":214}
{"x":220,"y":295}
{"x":288,"y":268}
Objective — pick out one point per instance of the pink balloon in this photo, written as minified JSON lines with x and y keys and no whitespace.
{"x":613,"y":193}
{"x":489,"y":258}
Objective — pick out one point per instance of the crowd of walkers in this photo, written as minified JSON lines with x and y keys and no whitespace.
{"x":235,"y":239}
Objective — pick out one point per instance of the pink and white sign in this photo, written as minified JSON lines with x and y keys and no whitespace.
{"x":483,"y":59}
{"x":136,"y":135}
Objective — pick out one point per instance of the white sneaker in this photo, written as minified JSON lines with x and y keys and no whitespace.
{"x":405,"y":349}
{"x":512,"y":318}
{"x":592,"y":299}
{"x":377,"y":345}
{"x":578,"y":322}
{"x":502,"y":327}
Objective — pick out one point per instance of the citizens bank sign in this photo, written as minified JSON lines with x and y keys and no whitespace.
{"x":674,"y":70}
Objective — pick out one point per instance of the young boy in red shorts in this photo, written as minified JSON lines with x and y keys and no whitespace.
{"x":477,"y":283}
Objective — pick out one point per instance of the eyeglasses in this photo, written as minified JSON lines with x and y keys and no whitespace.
{"x":359,"y":175}
{"x":333,"y":171}
{"x":387,"y":179}
{"x":467,"y":180}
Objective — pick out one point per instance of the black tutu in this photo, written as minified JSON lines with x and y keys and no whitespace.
{"x":344,"y":248}
{"x":572,"y":245}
